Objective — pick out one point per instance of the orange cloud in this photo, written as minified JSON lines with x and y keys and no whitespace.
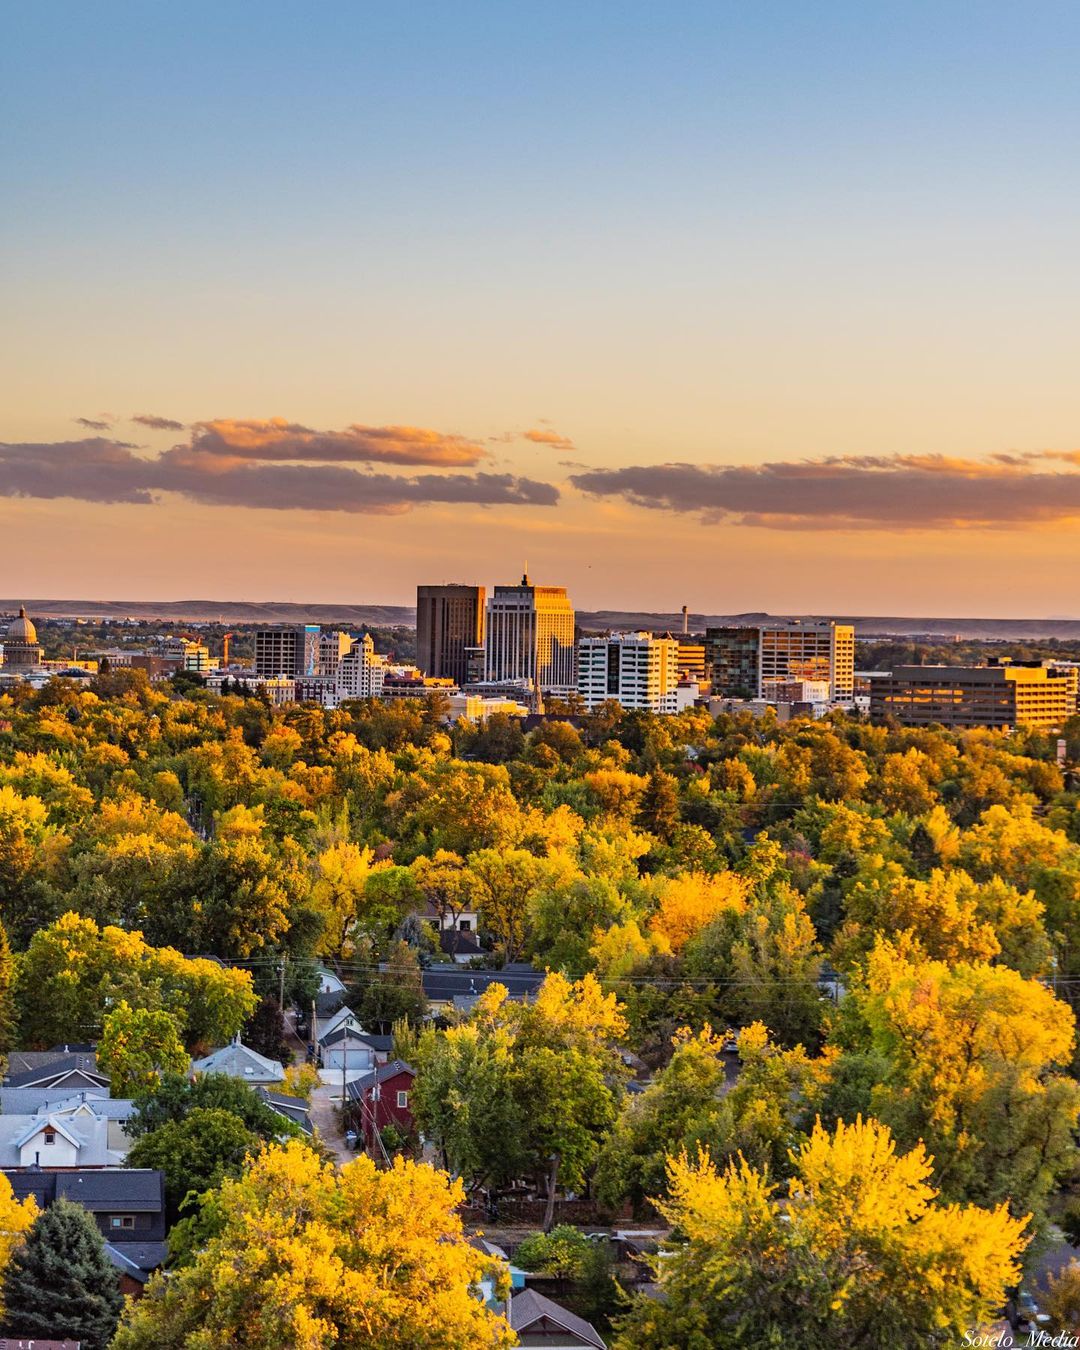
{"x":274,"y":438}
{"x":541,"y":436}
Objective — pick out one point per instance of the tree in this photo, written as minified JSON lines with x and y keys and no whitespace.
{"x":339,"y":894}
{"x":862,"y":1254}
{"x":659,"y":809}
{"x":175,"y":1097}
{"x":306,"y":1256}
{"x":973,"y":1057}
{"x":60,"y":1283}
{"x":504,"y":884}
{"x":195,"y":1153}
{"x":138,"y":1047}
{"x":8,"y":1014}
{"x":74,"y":971}
{"x":265,"y":1032}
{"x":16,"y":1217}
{"x":394,"y":993}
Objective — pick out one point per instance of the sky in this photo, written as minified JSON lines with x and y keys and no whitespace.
{"x":746,"y":307}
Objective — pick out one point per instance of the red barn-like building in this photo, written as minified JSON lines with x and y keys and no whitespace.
{"x":382,"y":1098}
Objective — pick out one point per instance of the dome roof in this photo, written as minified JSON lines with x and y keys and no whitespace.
{"x":21,"y":629}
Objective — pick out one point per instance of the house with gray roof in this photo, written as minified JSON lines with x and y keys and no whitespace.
{"x":541,"y":1321}
{"x":50,"y":1139}
{"x":240,"y":1061}
{"x":63,"y":1073}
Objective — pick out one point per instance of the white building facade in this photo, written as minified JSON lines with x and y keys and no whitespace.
{"x":635,"y":670}
{"x":361,"y":672}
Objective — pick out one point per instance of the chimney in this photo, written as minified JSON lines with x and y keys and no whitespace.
{"x":685,"y":620}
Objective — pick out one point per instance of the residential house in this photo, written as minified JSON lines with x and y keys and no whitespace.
{"x":127,"y":1203}
{"x":291,"y":1108}
{"x":240,"y":1061}
{"x":462,"y":946}
{"x":541,"y":1321}
{"x":462,"y":921}
{"x":382,"y":1098}
{"x":68,"y":1073}
{"x":342,"y":1043}
{"x":449,"y":987}
{"x":52,"y":1140}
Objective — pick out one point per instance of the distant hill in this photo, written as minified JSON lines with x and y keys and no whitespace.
{"x":386,"y":616}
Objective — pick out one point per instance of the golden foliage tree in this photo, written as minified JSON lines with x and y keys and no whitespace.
{"x":308,"y":1257}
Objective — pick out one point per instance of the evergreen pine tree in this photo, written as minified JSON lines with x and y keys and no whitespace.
{"x":60,"y":1283}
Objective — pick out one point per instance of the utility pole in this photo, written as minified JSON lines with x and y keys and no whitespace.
{"x":281,"y":985}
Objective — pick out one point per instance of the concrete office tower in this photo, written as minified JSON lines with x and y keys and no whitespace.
{"x":333,"y":645}
{"x":288,"y":651}
{"x":449,"y":621}
{"x":530,"y":637}
{"x":636,"y":670}
{"x":746,"y":661}
{"x":361,"y":673}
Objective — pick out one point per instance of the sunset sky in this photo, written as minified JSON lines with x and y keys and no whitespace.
{"x":743,"y":306}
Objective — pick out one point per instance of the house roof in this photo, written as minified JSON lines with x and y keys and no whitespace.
{"x":455,"y":943}
{"x":240,"y":1061}
{"x":101,"y":1189}
{"x":292,"y":1108}
{"x":442,"y":983}
{"x":383,"y":1074}
{"x":528,"y":1307}
{"x":38,"y":1124}
{"x":71,"y":1071}
{"x":88,"y":1134}
{"x":133,"y":1189}
{"x":349,"y":1034}
{"x":20,"y":1060}
{"x":146,"y":1255}
{"x":28,"y":1101}
{"x":328,"y":1003}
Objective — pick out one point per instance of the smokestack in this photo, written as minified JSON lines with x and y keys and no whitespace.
{"x":685,"y":620}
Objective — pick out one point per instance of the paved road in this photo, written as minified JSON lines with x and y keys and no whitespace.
{"x":324,"y":1113}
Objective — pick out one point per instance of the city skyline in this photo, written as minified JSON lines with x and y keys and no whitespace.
{"x":751,"y":311}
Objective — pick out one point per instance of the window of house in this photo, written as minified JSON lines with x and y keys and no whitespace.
{"x":402,"y":1100}
{"x":121,"y":1220}
{"x":50,"y":1136}
{"x":466,"y":925}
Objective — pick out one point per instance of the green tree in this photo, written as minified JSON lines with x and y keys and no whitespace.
{"x":265,"y":1032}
{"x":60,"y":1283}
{"x":138,"y":1047}
{"x":195,"y":1153}
{"x":176,"y":1096}
{"x":395,"y":993}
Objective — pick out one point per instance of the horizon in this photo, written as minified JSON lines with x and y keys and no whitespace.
{"x":723,"y":301}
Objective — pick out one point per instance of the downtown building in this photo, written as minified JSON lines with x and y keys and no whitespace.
{"x":449,"y":630}
{"x":750,"y":661}
{"x":635,"y":670}
{"x":361,"y":672}
{"x":299,"y":651}
{"x":530,"y":638}
{"x":999,"y":694}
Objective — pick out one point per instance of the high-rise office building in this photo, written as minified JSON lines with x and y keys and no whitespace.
{"x":747,"y":661}
{"x":635,"y":670}
{"x":333,"y":645}
{"x":361,"y":672}
{"x":530,"y":637}
{"x":449,"y":621}
{"x":295,"y":650}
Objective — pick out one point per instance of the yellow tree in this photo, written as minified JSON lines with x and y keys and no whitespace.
{"x":341,"y":877}
{"x":16,"y":1217}
{"x":687,"y":904}
{"x":862,"y":1253}
{"x":307,"y":1257}
{"x":974,"y":1059}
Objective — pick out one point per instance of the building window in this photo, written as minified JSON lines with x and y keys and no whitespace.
{"x":465,"y":926}
{"x":50,"y":1136}
{"x":121,"y":1221}
{"x":402,"y":1100}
